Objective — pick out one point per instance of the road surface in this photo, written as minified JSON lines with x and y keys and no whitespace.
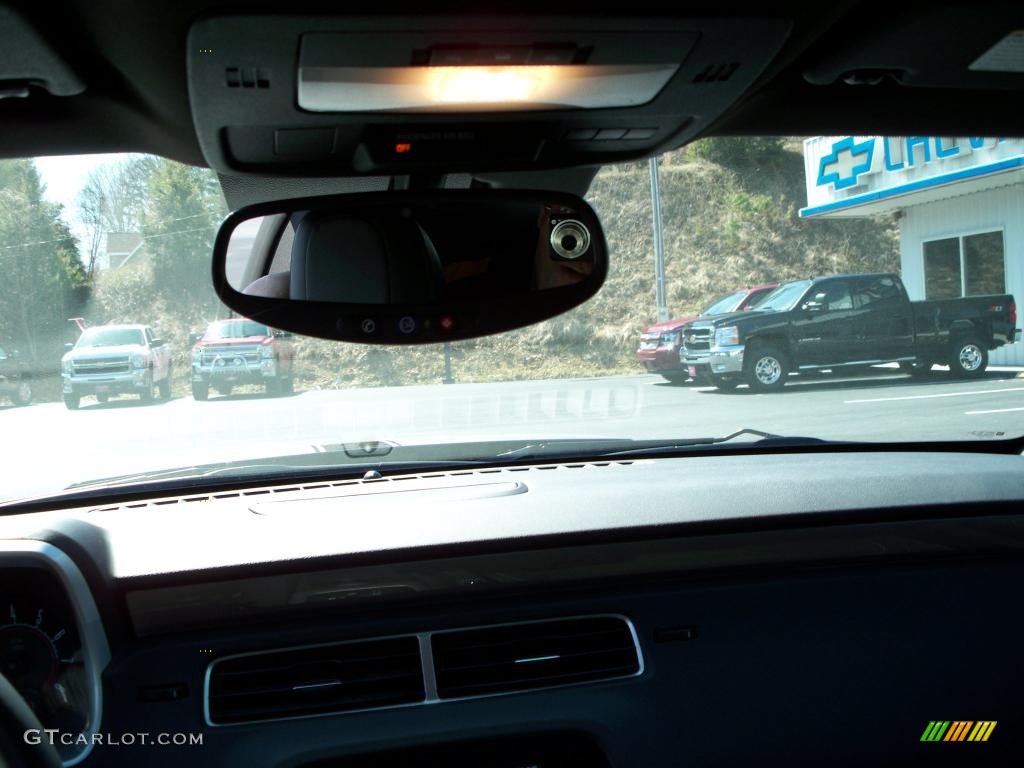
{"x":46,"y":447}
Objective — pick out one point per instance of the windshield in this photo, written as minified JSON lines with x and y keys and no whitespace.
{"x":785,"y":296}
{"x":725,"y":304}
{"x":90,"y":245}
{"x":109,"y":337}
{"x":235,"y":330}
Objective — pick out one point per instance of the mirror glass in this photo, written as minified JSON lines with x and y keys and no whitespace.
{"x":411,"y":267}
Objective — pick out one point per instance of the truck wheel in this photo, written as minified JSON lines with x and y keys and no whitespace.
{"x":23,"y":393}
{"x":675,"y":377}
{"x":102,"y":398}
{"x":968,"y":358}
{"x":766,"y":370}
{"x":225,"y":389}
{"x":272,"y":387}
{"x":287,"y":385}
{"x":726,"y":384}
{"x":72,"y":401}
{"x":165,"y":387}
{"x":200,"y":390}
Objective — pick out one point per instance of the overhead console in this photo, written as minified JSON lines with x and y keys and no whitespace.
{"x":335,"y":96}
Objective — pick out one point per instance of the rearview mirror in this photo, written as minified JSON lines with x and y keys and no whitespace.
{"x":410,"y":267}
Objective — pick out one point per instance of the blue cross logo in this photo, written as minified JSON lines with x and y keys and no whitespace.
{"x":846,"y":162}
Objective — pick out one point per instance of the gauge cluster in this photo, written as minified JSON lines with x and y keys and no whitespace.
{"x":49,"y":647}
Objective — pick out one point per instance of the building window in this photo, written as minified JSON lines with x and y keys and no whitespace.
{"x":971,"y":265}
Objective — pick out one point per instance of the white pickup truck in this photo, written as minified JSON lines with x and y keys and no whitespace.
{"x":115,"y":360}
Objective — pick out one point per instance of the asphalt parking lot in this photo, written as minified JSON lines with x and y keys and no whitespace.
{"x":47,"y":447}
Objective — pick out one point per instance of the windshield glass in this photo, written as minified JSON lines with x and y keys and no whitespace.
{"x":235,"y":330}
{"x":109,"y":337}
{"x":725,"y":304}
{"x":785,"y":296}
{"x":911,"y":337}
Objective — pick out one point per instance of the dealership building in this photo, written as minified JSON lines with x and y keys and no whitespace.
{"x":960,"y":203}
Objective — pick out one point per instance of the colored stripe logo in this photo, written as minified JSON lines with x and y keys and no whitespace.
{"x":958,"y":730}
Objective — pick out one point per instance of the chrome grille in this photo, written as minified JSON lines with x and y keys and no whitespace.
{"x":248,"y":354}
{"x":117,"y":364}
{"x":697,"y":340}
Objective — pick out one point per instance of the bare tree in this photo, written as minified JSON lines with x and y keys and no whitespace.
{"x":112,"y":200}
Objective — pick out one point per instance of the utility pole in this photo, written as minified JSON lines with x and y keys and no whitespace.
{"x":659,"y":247}
{"x":448,"y":379}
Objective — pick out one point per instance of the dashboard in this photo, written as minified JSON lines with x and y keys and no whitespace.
{"x":679,"y":617}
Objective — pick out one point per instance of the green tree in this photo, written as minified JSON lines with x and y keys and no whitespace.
{"x":179,"y":223}
{"x":44,"y":281}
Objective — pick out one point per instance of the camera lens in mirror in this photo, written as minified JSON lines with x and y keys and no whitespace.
{"x":570,"y":239}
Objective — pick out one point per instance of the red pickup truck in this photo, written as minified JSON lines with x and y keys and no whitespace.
{"x":659,"y":343}
{"x":241,"y":351}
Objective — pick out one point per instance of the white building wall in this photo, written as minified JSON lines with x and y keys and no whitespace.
{"x":993,"y":209}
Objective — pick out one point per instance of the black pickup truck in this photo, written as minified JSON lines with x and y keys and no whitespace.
{"x":843,"y":322}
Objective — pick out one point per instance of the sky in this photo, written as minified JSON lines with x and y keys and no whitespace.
{"x":64,"y":178}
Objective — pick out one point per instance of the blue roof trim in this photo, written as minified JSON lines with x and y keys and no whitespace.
{"x":934,"y":181}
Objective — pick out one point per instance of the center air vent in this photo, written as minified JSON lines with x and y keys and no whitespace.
{"x":315,"y":680}
{"x":518,"y":657}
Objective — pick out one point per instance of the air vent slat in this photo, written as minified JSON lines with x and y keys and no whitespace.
{"x":534,"y":655}
{"x":585,"y":657}
{"x":307,"y":681}
{"x":544,"y":681}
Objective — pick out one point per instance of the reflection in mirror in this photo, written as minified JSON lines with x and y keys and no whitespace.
{"x":417,"y":254}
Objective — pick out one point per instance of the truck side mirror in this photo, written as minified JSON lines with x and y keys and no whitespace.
{"x":814,"y":307}
{"x":69,"y":345}
{"x":193,"y":338}
{"x":157,"y":343}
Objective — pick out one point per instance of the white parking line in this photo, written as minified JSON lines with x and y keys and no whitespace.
{"x":931,"y":397}
{"x":997,"y":410}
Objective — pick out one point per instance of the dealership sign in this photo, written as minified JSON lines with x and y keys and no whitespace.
{"x":843,"y":171}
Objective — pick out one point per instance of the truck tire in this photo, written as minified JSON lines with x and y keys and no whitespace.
{"x":766,"y":369}
{"x":287,"y":385}
{"x":23,"y":392}
{"x":200,"y":390}
{"x":272,"y":387}
{"x":72,"y":401}
{"x":968,"y":358}
{"x":225,"y":389}
{"x":165,"y":387}
{"x":102,"y":398}
{"x":675,"y":377}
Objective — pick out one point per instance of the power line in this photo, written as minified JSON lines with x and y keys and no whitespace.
{"x":143,"y":237}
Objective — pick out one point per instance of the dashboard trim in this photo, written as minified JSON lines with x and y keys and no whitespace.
{"x":427,"y":660}
{"x":95,"y":650}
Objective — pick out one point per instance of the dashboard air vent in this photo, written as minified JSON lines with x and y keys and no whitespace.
{"x":518,"y":657}
{"x":307,"y":681}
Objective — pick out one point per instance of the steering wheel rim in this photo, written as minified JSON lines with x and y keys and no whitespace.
{"x":15,"y":719}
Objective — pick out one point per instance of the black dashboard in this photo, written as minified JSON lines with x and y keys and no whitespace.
{"x":678,"y":616}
